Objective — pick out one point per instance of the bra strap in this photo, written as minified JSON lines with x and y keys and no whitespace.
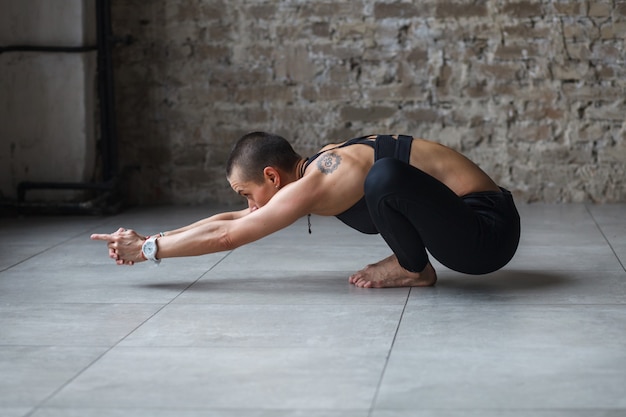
{"x":403,"y":148}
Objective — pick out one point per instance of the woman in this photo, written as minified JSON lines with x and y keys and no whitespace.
{"x":416,"y":193}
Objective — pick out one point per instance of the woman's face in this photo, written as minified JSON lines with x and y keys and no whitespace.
{"x":256,"y":194}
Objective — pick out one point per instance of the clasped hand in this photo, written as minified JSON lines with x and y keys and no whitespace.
{"x":124,"y":246}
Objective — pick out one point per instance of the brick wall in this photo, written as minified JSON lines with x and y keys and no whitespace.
{"x":533,"y":91}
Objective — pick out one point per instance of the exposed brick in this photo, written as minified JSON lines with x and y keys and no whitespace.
{"x":532,"y":132}
{"x":527,"y":30}
{"x":320,"y":29}
{"x":570,"y":71}
{"x":328,"y":93}
{"x":569,"y":8}
{"x":262,"y":93}
{"x":477,"y":90}
{"x":462,"y":9}
{"x":262,"y":11}
{"x":189,"y":155}
{"x":189,"y":10}
{"x":294,"y":64}
{"x":335,"y":52}
{"x":607,"y":51}
{"x":353,"y":30}
{"x":542,"y":113}
{"x":213,"y":53}
{"x":578,"y":51}
{"x":225,"y":76}
{"x":515,"y":52}
{"x":398,"y":92}
{"x":328,"y":9}
{"x":606,"y":72}
{"x":523,"y":9}
{"x":615,"y":154}
{"x":590,"y":92}
{"x":398,"y":10}
{"x":614,"y":30}
{"x":373,"y":113}
{"x":417,"y":55}
{"x":423,"y":115}
{"x":499,"y":71}
{"x":605,"y":112}
{"x":597,"y":9}
{"x":581,"y":28}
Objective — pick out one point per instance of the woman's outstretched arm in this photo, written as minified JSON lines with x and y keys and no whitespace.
{"x":217,"y":233}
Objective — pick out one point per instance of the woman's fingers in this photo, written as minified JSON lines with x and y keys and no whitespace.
{"x":119,"y":243}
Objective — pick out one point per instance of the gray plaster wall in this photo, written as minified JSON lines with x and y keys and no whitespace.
{"x":47,"y":100}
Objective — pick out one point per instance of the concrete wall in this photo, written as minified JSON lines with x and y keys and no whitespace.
{"x":534,"y":91}
{"x":47,"y":100}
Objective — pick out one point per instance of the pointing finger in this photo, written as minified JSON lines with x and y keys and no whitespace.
{"x":105,"y":237}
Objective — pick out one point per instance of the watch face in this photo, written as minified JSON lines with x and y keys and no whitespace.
{"x":149,"y":248}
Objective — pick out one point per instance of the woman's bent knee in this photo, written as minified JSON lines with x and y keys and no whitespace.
{"x":384,"y":175}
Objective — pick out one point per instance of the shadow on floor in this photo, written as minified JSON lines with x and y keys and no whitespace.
{"x":282,"y":280}
{"x":499,"y":281}
{"x":505,"y":280}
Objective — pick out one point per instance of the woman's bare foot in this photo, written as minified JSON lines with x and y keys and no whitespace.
{"x":389,"y":273}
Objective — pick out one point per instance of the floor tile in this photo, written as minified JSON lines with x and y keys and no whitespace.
{"x":518,"y":358}
{"x":611,"y":219}
{"x":553,"y":378}
{"x":524,"y":287}
{"x":285,"y":287}
{"x":608,"y":213}
{"x":204,"y":412}
{"x":492,"y":327}
{"x":70,"y":324}
{"x":46,"y":230}
{"x":15,"y":253}
{"x":551,"y":214}
{"x":24,"y":238}
{"x":80,"y":253}
{"x":253,"y":379}
{"x":497,"y":413}
{"x":99,"y":284}
{"x":102,"y":281}
{"x":564,"y":257}
{"x":161,"y":218}
{"x":331,"y":247}
{"x":14,"y":411}
{"x":269,"y":326}
{"x":32,"y":373}
{"x":345,"y":256}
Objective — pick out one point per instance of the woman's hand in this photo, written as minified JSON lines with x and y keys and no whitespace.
{"x":124,"y":246}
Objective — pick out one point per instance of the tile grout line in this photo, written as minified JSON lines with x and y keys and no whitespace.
{"x":89,"y":229}
{"x":393,"y":341}
{"x":90,"y":364}
{"x":604,"y":236}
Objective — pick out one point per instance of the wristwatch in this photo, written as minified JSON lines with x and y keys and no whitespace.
{"x":150,"y":249}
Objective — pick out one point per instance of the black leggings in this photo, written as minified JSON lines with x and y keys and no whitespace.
{"x":474,"y":234}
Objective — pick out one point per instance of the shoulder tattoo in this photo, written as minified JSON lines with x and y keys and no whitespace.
{"x":328,"y":162}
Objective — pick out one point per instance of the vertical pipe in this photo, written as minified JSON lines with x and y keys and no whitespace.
{"x":108,"y":136}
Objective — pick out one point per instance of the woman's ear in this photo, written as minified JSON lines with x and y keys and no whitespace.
{"x":272,"y":175}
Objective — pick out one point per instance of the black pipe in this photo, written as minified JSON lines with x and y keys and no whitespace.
{"x":24,"y":186}
{"x":33,"y":48}
{"x":108,"y":135}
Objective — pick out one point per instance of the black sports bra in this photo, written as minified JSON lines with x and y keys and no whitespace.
{"x":385,"y":146}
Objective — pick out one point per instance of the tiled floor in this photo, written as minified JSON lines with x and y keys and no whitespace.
{"x":274,"y":329}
